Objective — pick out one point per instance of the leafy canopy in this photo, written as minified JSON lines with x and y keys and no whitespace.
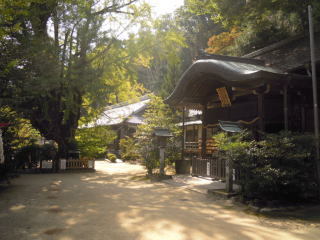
{"x":56,"y":61}
{"x":260,"y":22}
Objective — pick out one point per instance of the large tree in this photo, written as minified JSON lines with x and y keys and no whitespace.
{"x":53,"y":54}
{"x":170,"y":44}
{"x":159,"y":43}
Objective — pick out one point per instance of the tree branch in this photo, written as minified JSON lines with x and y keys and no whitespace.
{"x":114,"y":8}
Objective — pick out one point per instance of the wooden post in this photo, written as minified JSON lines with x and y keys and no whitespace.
{"x":183,"y":132}
{"x":204,"y":131}
{"x":199,"y":128}
{"x":285,"y":107}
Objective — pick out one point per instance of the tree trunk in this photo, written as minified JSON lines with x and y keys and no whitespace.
{"x":64,"y":146}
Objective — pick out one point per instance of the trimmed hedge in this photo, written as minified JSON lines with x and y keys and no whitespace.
{"x":277,"y":167}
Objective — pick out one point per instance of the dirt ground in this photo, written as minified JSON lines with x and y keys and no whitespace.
{"x":117,"y":203}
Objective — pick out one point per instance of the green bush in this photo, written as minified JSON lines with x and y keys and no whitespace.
{"x":20,"y":133}
{"x":129,"y":149}
{"x":173,"y":152}
{"x":157,"y":115}
{"x":151,"y":161}
{"x":112,"y":157}
{"x":93,"y":142}
{"x":278,"y":167}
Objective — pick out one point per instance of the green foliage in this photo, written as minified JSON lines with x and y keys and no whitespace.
{"x":150,"y":157}
{"x":18,"y":134}
{"x":157,"y":115}
{"x":159,"y":44}
{"x":278,"y":167}
{"x":173,"y":151}
{"x":129,"y":149}
{"x":261,"y":22}
{"x":168,"y":46}
{"x":237,"y":12}
{"x":112,"y":157}
{"x":93,"y":142}
{"x":69,"y":67}
{"x":29,"y":156}
{"x":118,"y":82}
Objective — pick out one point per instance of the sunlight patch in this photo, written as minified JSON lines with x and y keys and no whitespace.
{"x":54,"y":209}
{"x":18,"y":207}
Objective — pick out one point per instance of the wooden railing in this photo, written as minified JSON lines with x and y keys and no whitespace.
{"x":209,"y":167}
{"x":191,"y":147}
{"x":210,"y":146}
{"x":195,"y":147}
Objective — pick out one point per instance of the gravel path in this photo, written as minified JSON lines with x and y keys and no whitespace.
{"x":117,"y":203}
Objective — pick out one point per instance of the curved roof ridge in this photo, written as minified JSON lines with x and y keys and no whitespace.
{"x":221,"y":72}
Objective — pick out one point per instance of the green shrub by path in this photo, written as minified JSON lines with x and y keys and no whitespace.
{"x":157,"y":115}
{"x":173,"y":152}
{"x":112,"y":157}
{"x":93,"y":142}
{"x":278,"y":167}
{"x":129,"y":149}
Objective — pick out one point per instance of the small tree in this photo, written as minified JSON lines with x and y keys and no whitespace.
{"x":157,"y":114}
{"x":18,"y":134}
{"x":129,"y":149}
{"x":93,"y":142}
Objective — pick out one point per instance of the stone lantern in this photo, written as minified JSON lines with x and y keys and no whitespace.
{"x":162,"y":135}
{"x":230,"y":127}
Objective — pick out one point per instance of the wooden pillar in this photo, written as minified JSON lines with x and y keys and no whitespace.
{"x":194,"y":133}
{"x":204,"y":130}
{"x":285,"y":107}
{"x":199,"y":128}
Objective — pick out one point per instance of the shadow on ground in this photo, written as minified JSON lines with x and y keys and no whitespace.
{"x":118,"y":203}
{"x":308,"y":214}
